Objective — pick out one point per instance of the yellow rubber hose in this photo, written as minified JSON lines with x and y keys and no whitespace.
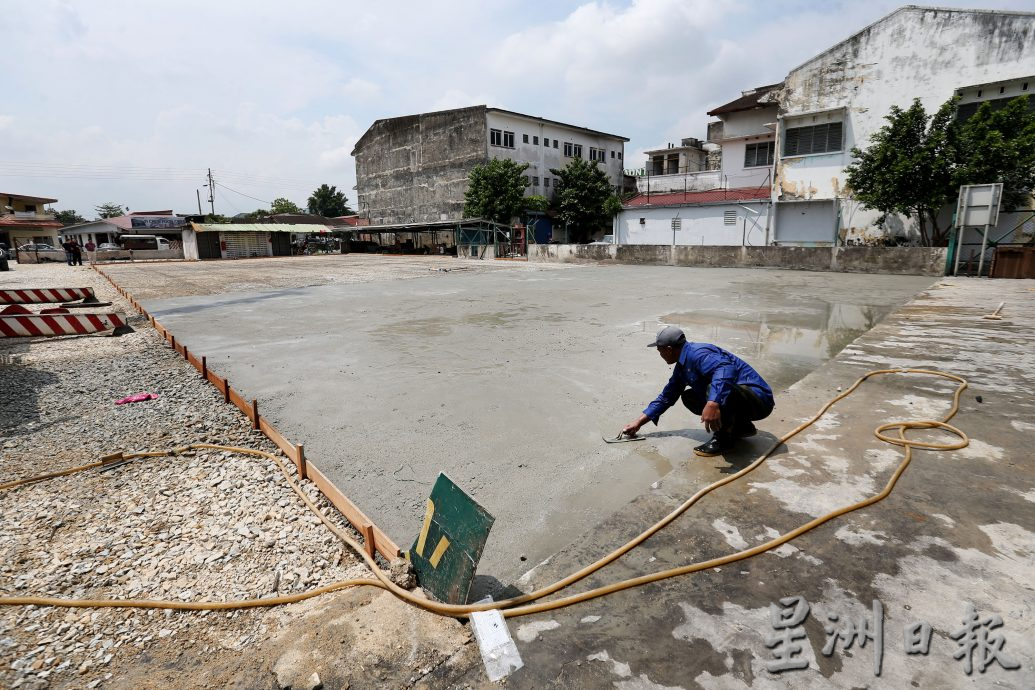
{"x":522,"y":605}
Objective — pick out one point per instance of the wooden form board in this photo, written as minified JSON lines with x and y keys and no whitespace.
{"x":375,"y":537}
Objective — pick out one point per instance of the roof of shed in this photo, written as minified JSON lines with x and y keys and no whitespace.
{"x":260,"y":227}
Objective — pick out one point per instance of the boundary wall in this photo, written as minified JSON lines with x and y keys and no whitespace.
{"x":925,"y":261}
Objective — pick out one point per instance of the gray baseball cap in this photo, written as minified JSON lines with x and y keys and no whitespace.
{"x":669,"y":336}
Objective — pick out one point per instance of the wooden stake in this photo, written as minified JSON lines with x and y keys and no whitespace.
{"x":226,"y":390}
{"x":255,"y":414}
{"x":368,"y":537}
{"x":204,"y":367}
{"x":300,"y":461}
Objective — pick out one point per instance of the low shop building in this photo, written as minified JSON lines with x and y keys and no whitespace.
{"x":242,"y":240}
{"x":719,"y":217}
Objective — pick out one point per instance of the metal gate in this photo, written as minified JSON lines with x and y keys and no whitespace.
{"x":242,"y":245}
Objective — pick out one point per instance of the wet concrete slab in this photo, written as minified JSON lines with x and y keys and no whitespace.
{"x":958,"y":530}
{"x":507,"y":380}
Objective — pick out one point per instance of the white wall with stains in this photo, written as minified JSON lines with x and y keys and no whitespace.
{"x":923,"y":53}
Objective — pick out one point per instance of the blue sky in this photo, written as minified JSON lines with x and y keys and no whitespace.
{"x":130,"y":102}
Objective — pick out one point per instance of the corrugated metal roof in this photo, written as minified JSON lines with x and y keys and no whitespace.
{"x":260,"y":227}
{"x":709,"y":197}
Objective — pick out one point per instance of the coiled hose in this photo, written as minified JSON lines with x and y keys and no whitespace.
{"x":524,"y":604}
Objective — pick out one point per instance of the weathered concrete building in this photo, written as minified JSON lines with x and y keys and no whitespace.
{"x":414,"y":169}
{"x":838,"y":99}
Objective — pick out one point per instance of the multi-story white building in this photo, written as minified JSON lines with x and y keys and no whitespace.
{"x":794,"y":139}
{"x":414,"y":169}
{"x":838,"y":100}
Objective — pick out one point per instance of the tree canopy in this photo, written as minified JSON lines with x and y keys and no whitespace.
{"x":109,"y":210}
{"x":328,"y":202}
{"x":582,"y":192}
{"x":68,"y":217}
{"x":916,"y":163}
{"x":282,"y":205}
{"x":495,"y":190}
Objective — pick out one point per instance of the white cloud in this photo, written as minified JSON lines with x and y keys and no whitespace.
{"x":273,"y":97}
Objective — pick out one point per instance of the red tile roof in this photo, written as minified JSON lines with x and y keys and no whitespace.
{"x":11,"y":221}
{"x":708,"y":197}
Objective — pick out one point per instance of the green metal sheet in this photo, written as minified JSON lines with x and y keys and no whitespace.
{"x":446,"y":551}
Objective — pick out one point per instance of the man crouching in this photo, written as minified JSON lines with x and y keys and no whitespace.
{"x":722,"y":388}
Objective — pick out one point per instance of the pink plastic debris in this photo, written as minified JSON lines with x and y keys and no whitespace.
{"x":139,"y":397}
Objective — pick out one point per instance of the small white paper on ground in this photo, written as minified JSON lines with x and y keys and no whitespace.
{"x":499,"y":653}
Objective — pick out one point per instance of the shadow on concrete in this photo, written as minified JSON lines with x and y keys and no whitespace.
{"x":217,"y":303}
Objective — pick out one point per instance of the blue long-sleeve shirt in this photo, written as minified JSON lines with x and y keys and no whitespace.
{"x":702,"y":366}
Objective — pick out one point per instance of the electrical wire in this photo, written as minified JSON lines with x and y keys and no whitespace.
{"x":525,"y":604}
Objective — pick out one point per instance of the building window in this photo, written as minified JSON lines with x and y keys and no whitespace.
{"x":729,"y":218}
{"x":555,"y":143}
{"x":619,"y":155}
{"x":508,"y":140}
{"x":569,"y":149}
{"x":546,"y":181}
{"x":546,"y":141}
{"x":801,"y":141}
{"x":496,"y":137}
{"x":578,"y":151}
{"x":524,"y":138}
{"x":677,"y":224}
{"x":612,"y":155}
{"x":596,"y":154}
{"x":535,"y":180}
{"x":525,"y":178}
{"x":756,"y":155}
{"x":535,"y":141}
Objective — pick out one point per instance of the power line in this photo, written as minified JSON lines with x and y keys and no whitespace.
{"x":220,"y":184}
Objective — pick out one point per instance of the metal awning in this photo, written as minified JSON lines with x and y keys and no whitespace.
{"x":302,"y":228}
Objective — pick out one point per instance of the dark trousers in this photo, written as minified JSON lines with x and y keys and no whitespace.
{"x":742,"y":406}
{"x":77,"y":259}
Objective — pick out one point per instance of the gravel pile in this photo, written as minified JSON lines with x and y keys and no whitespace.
{"x":205,"y":525}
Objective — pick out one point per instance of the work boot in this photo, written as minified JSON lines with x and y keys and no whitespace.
{"x":716,"y":446}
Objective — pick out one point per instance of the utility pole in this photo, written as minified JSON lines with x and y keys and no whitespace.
{"x":211,"y":192}
{"x":198,"y":191}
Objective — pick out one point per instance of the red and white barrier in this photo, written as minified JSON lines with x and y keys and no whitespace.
{"x":30,"y":325}
{"x":46,"y":295}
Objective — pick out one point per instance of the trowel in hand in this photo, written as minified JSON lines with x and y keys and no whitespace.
{"x":623,"y":437}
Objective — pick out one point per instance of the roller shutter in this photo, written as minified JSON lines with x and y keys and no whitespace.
{"x":242,"y":245}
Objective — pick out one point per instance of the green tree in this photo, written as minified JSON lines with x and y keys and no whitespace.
{"x":536,"y":202}
{"x":496,"y":190}
{"x":282,"y":205}
{"x":908,"y":166}
{"x":108,"y":210}
{"x":999,"y":146}
{"x":328,"y":202}
{"x":613,"y":205}
{"x":915,"y":164}
{"x":68,"y":217}
{"x":582,"y":192}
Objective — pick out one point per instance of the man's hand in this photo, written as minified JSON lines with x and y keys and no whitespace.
{"x":711,"y":417}
{"x":631,"y":428}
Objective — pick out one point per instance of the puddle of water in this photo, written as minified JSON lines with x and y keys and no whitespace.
{"x":783,"y":346}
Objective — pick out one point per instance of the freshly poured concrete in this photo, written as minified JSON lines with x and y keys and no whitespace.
{"x":506,"y":380}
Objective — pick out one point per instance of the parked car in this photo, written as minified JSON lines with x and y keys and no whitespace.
{"x":108,"y":247}
{"x":37,"y":247}
{"x":606,"y":239}
{"x":144,"y":242}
